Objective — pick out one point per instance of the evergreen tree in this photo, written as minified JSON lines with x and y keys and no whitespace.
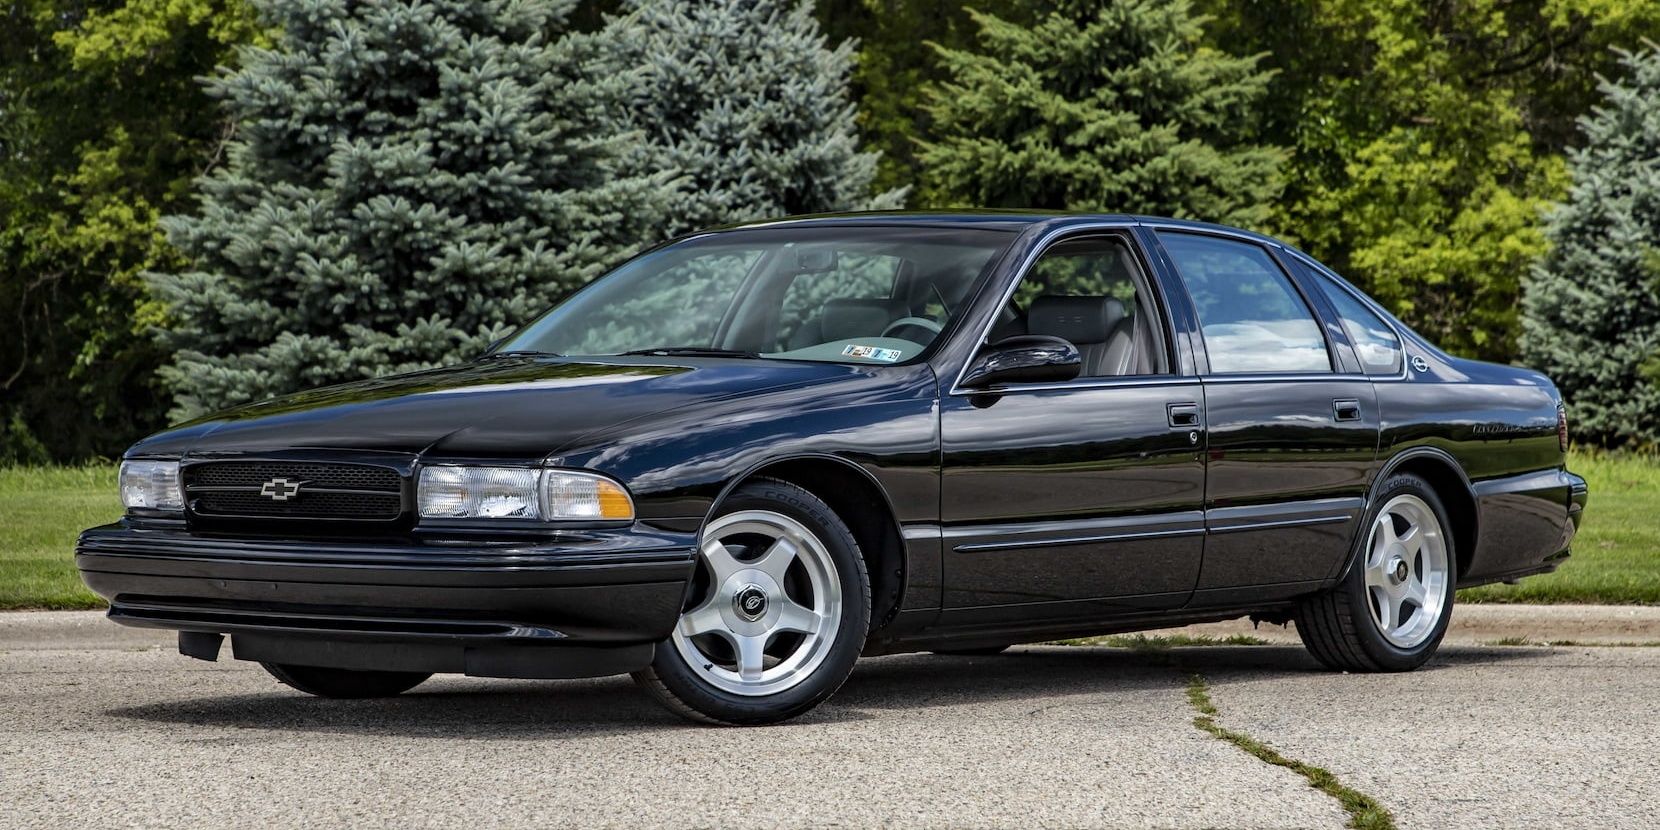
{"x":1100,"y":106}
{"x":408,"y":180}
{"x":1591,"y":308}
{"x":746,"y":102}
{"x":889,"y":68}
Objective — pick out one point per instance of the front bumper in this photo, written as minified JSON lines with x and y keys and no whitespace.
{"x":582,"y":603}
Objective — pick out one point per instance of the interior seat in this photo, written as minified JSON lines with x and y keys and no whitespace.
{"x":1098,"y":326}
{"x":1121,"y":350}
{"x":847,"y":318}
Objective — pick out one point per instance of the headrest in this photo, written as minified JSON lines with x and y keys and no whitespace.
{"x":844,"y":319}
{"x":1077,"y":320}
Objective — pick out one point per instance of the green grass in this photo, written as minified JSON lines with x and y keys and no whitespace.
{"x":41,"y":511}
{"x":1616,"y":557}
{"x":1163,"y":642}
{"x":1365,"y":813}
{"x":1523,"y":641}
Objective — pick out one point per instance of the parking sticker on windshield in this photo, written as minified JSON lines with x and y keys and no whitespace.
{"x":872,"y":353}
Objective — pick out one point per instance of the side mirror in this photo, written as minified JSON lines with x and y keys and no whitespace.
{"x":1028,"y":358}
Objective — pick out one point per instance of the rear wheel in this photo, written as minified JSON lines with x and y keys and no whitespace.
{"x":778,"y":612}
{"x":1392,"y":610}
{"x":345,"y":683}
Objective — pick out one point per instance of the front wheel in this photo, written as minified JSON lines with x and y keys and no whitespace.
{"x":345,"y":683}
{"x":777,"y":613}
{"x":1392,"y":609}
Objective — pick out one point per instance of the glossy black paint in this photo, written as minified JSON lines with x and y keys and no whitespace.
{"x":1023,"y":359}
{"x":1285,"y":482}
{"x":1055,"y":500}
{"x":991,"y":513}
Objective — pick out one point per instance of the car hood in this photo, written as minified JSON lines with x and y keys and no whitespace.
{"x":493,"y":408}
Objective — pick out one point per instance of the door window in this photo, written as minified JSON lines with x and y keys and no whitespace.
{"x":1252,"y":318}
{"x":1092,"y":293}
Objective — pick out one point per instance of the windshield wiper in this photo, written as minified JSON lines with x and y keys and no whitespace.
{"x":520,"y":353}
{"x":691,"y":351}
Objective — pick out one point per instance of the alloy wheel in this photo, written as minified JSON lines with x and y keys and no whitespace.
{"x":1407,"y":571}
{"x":766,"y":604}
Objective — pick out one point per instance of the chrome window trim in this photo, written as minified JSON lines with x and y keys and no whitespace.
{"x":1082,"y":384}
{"x":1282,"y":377}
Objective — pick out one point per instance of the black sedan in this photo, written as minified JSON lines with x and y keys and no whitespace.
{"x":747,"y":457}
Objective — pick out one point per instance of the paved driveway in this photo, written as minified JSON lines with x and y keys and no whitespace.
{"x":115,"y":731}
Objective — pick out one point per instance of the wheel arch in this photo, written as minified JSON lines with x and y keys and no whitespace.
{"x":859,"y":500}
{"x":1446,"y":476}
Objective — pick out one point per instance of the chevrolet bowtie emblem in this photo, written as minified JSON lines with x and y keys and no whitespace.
{"x":280,"y":489}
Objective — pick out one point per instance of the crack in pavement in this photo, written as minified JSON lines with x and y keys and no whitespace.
{"x":1365,"y":813}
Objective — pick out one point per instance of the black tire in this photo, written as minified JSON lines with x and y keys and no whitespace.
{"x":683,"y":691}
{"x":983,"y":651}
{"x":345,"y":683}
{"x":1338,"y":627}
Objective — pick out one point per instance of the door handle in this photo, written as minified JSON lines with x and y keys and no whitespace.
{"x":1182,"y":415}
{"x":1345,"y":409}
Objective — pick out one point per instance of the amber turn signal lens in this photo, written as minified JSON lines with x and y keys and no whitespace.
{"x":567,"y":494}
{"x":613,"y":502}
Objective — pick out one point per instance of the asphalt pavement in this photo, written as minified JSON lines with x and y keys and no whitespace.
{"x":108,"y":727}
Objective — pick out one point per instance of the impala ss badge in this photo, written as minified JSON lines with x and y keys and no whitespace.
{"x":280,"y":489}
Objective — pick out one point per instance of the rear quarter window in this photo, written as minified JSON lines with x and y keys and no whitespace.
{"x":1375,"y":342}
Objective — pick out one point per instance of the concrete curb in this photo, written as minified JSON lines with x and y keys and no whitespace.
{"x":1472,"y":624}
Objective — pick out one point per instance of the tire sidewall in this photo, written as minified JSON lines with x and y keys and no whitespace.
{"x":669,"y":665}
{"x":1389,"y":656}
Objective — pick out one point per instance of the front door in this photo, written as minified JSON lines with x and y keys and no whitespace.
{"x":1292,"y":436}
{"x":1084,"y":498}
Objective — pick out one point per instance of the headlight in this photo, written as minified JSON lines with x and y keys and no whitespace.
{"x":456,"y":492}
{"x":151,"y":485}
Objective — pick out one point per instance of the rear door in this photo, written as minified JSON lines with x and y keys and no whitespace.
{"x":1292,"y":421}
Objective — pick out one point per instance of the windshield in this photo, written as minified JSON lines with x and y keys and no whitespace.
{"x":877,"y":295}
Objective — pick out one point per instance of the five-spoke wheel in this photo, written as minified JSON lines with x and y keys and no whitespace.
{"x":777,"y":612}
{"x":1406,"y":571}
{"x":767,"y":604}
{"x":1391,"y":610}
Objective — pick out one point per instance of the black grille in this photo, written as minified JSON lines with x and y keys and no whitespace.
{"x":308,"y":490}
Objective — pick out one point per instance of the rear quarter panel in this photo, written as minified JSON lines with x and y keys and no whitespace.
{"x":1499,"y":423}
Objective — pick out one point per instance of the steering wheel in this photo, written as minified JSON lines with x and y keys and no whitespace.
{"x":902,"y":323}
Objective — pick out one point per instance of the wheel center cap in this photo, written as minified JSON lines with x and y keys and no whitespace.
{"x":1399,"y":571}
{"x":750,"y":602}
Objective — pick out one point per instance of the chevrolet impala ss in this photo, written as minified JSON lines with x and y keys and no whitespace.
{"x":747,"y":457}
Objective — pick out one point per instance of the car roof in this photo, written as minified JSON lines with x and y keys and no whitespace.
{"x":1007,"y":219}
